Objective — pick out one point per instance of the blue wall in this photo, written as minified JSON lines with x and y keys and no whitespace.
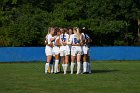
{"x":16,"y":54}
{"x":13,"y":54}
{"x":115,"y":53}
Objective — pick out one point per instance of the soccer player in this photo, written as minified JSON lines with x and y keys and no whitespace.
{"x":86,"y":55}
{"x":76,"y":49}
{"x":70,"y":33}
{"x":48,"y":49}
{"x":56,"y":50}
{"x":64,"y":49}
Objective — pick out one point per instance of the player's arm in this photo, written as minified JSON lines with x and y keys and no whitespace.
{"x":53,"y":38}
{"x":82,"y":40}
{"x":46,"y":40}
{"x":70,"y":40}
{"x":64,"y":43}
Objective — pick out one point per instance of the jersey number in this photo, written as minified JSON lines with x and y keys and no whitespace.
{"x":75,"y":40}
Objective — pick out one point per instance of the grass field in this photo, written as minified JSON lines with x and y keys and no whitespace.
{"x":107,"y":77}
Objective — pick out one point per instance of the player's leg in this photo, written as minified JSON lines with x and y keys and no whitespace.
{"x":79,"y":53}
{"x":59,"y":66}
{"x":72,"y":63}
{"x":62,"y":59}
{"x":48,"y":65}
{"x":62,"y":55}
{"x":73,"y":56}
{"x":63,"y":62}
{"x":51,"y":69}
{"x":78,"y":63}
{"x":67,"y":54}
{"x":81,"y":70}
{"x":85,"y":63}
{"x":48,"y":52}
{"x":57,"y":57}
{"x":66,"y":63}
{"x":85,"y":59}
{"x":56,"y":63}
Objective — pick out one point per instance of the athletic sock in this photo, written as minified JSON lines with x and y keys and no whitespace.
{"x":63,"y":66}
{"x":85,"y":65}
{"x":78,"y":67}
{"x":72,"y":67}
{"x":65,"y":69}
{"x":56,"y":66}
{"x":46,"y":67}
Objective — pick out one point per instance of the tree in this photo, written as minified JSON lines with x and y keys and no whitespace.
{"x":25,"y":22}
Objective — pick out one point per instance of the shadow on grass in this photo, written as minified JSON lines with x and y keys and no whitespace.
{"x":98,"y":71}
{"x":103,"y":71}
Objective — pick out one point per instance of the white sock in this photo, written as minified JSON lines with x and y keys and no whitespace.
{"x":89,"y":67}
{"x":85,"y":65}
{"x":56,"y":66}
{"x":46,"y":67}
{"x":72,"y":67}
{"x":63,"y":66}
{"x":65,"y":69}
{"x":78,"y":67}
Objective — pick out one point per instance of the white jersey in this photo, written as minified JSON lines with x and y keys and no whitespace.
{"x":48,"y":49}
{"x":56,"y":49}
{"x":64,"y":38}
{"x":64,"y":50}
{"x":48,"y":38}
{"x":85,"y":48}
{"x":74,"y":40}
{"x":57,"y":37}
{"x":85,"y":36}
{"x":75,"y":50}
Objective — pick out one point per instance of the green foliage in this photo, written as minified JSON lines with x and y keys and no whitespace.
{"x":25,"y":22}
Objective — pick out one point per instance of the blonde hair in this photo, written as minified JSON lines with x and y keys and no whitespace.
{"x":49,"y":30}
{"x":76,"y":31}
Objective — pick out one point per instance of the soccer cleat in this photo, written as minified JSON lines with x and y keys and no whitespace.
{"x":71,"y":73}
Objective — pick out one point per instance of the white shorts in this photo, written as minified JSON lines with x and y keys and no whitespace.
{"x":76,"y":50}
{"x":48,"y":51}
{"x":64,"y":50}
{"x":85,"y":50}
{"x":55,"y":50}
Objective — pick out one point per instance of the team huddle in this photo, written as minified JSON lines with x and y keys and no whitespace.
{"x":71,"y":45}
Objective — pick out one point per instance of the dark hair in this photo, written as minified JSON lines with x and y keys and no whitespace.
{"x":83,"y":29}
{"x":57,"y":29}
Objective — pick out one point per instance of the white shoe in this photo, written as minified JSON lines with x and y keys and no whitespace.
{"x":77,"y":73}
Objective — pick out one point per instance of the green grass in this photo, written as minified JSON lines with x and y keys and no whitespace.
{"x":107,"y":77}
